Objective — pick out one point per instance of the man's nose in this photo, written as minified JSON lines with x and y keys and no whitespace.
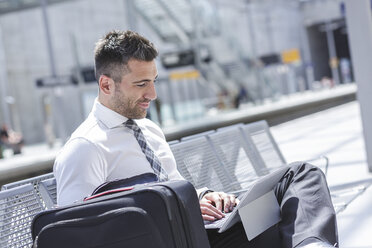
{"x":151,"y":92}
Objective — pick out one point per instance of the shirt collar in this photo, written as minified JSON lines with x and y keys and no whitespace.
{"x":107,"y":116}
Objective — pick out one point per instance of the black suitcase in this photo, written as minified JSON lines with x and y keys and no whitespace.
{"x":165,"y":214}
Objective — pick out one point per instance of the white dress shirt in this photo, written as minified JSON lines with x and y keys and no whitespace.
{"x":101,"y":149}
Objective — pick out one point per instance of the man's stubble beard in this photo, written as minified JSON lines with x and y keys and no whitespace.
{"x":123,"y":106}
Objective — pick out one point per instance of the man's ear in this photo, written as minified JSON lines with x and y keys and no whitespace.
{"x":106,"y":84}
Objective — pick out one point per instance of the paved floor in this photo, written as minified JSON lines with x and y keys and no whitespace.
{"x":336,"y":133}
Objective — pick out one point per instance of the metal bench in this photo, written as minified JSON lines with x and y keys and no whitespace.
{"x":265,"y":144}
{"x":18,"y":206}
{"x":269,"y":150}
{"x":198,"y":163}
{"x":342,"y":195}
{"x":223,"y":160}
{"x":48,"y":192}
{"x":33,"y":180}
{"x":233,"y":152}
{"x":244,"y":152}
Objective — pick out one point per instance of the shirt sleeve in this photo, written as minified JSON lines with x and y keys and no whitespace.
{"x":78,"y":170}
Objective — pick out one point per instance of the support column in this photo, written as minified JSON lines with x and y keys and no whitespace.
{"x":333,"y":60}
{"x":53,"y":70}
{"x":4,"y":92}
{"x":257,"y":68}
{"x":359,"y":26}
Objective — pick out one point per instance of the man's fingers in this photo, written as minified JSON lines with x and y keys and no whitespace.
{"x":217,"y":201}
{"x":209,"y":210}
{"x":234,"y":201}
{"x":208,"y":218}
{"x":227,"y":203}
{"x":222,"y":201}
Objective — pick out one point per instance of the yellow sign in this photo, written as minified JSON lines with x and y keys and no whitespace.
{"x":184,"y":75}
{"x":333,"y":62}
{"x":291,"y":56}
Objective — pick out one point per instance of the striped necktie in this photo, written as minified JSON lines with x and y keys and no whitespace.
{"x":150,"y":156}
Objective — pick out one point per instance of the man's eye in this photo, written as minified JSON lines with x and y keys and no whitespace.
{"x":141,"y":85}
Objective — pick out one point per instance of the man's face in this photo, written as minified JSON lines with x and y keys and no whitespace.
{"x":132,"y":96}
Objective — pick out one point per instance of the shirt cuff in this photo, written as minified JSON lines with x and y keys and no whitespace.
{"x":202,"y":192}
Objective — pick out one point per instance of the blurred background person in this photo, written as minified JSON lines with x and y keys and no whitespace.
{"x":11,"y":139}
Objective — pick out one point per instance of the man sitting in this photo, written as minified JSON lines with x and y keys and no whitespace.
{"x":116,"y":141}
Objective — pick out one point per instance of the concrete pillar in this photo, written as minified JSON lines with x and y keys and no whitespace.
{"x":359,"y":26}
{"x":254,"y":56}
{"x":305,"y":50}
{"x":4,"y":86}
{"x":53,"y":70}
{"x":333,"y":60}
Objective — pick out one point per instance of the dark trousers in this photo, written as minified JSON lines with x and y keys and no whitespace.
{"x":306,"y":211}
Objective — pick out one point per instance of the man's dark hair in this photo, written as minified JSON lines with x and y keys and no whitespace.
{"x":113,"y":52}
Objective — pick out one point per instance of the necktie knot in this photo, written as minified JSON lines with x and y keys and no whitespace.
{"x":132,"y":125}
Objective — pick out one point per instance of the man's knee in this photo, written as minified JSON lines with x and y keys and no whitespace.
{"x":302,"y":168}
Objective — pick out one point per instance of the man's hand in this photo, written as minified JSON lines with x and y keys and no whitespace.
{"x":213,"y":205}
